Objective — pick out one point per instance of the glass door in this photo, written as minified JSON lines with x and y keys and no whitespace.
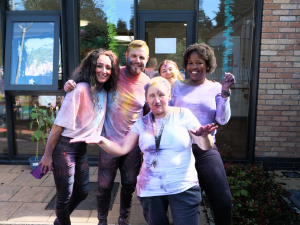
{"x":167,"y":34}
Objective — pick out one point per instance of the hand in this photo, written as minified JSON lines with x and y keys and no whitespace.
{"x":89,"y":140}
{"x":227,"y":81}
{"x":204,"y":131}
{"x":46,"y":163}
{"x":69,"y":86}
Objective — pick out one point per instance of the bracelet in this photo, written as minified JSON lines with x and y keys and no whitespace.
{"x":226,"y":93}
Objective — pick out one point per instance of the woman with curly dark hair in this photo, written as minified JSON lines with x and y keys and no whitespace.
{"x":209,"y":102}
{"x":81,"y":115}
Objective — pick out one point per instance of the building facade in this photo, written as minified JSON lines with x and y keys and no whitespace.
{"x":43,"y":41}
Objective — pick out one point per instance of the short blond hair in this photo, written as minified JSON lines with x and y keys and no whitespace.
{"x":157,"y":80}
{"x":138,"y":44}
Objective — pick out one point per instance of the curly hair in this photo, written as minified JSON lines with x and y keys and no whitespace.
{"x":203,"y":50}
{"x":171,"y":62}
{"x":86,"y":71}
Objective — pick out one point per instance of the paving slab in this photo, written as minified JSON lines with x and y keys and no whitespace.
{"x":7,"y":178}
{"x":21,"y":169}
{"x":118,"y":178}
{"x":7,"y":209}
{"x":50,"y":195}
{"x":6,"y":168}
{"x":80,"y":216}
{"x":93,"y":178}
{"x":295,"y":197}
{"x":31,"y":212}
{"x":93,"y":170}
{"x":48,"y":182}
{"x":135,"y":200}
{"x":31,"y":194}
{"x":203,"y":219}
{"x":136,"y":215}
{"x":7,"y":192}
{"x":26,"y":179}
{"x":113,"y":215}
{"x":118,"y":196}
{"x":93,"y":217}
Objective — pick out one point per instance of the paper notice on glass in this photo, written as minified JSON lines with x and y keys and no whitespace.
{"x":165,"y":45}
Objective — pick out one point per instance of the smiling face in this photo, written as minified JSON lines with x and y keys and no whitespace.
{"x":103,"y":69}
{"x":196,"y":68}
{"x":136,"y":60}
{"x":170,"y":72}
{"x":158,"y":97}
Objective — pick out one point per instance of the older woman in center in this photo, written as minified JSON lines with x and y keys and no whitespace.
{"x":168,"y":175}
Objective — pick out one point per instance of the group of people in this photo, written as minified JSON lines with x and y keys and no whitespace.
{"x":168,"y":119}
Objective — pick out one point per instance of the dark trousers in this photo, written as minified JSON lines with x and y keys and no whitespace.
{"x":213,"y":180}
{"x":71,"y":176}
{"x":185,"y":208}
{"x":129,"y":166}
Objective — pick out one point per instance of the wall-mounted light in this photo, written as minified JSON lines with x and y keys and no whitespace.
{"x":185,"y":24}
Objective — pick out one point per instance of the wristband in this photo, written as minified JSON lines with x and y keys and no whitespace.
{"x":226,"y":93}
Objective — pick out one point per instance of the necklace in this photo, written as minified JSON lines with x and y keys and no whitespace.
{"x":158,"y":137}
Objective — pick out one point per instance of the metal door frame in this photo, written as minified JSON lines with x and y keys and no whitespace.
{"x":187,"y":16}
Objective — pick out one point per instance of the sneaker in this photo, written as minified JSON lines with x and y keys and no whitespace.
{"x":123,"y":221}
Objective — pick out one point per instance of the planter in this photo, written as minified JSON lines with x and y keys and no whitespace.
{"x":34,"y":163}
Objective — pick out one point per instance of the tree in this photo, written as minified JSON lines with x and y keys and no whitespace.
{"x":41,"y":5}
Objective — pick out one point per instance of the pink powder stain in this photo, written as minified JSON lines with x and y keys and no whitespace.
{"x":143,"y":179}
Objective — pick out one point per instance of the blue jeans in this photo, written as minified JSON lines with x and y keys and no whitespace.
{"x":185,"y":208}
{"x":71,"y":176}
{"x":129,"y":166}
{"x":213,"y":180}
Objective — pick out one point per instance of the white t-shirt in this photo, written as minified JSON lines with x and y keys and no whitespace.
{"x":175,"y":169}
{"x":78,"y":115}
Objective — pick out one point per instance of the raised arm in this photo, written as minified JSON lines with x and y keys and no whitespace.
{"x":114,"y":148}
{"x":202,"y":136}
{"x":51,"y":143}
{"x":223,"y":111}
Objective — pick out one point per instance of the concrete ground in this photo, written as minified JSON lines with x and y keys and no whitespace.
{"x":23,"y":200}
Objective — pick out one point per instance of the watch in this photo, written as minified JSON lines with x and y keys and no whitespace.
{"x":226,"y":93}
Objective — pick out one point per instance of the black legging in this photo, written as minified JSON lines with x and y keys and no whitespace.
{"x":129,"y":166}
{"x":71,"y":176}
{"x":213,"y":180}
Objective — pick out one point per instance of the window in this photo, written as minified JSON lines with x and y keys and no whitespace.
{"x":32,"y":51}
{"x":22,"y":5}
{"x":108,"y":25}
{"x":229,"y":32}
{"x":3,"y":130}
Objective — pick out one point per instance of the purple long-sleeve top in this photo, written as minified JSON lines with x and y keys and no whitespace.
{"x":205,"y":101}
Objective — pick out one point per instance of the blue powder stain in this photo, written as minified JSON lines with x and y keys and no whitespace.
{"x":227,"y":43}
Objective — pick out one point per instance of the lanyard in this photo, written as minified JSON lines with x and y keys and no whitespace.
{"x":158,"y":137}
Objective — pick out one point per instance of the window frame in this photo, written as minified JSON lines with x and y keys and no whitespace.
{"x":31,"y":16}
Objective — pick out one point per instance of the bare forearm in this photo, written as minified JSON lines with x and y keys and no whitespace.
{"x":121,"y":148}
{"x":205,"y":143}
{"x":53,"y":139}
{"x":223,"y":111}
{"x":111,"y":147}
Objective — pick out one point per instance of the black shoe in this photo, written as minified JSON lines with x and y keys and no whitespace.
{"x":102,"y":223}
{"x":123,"y":221}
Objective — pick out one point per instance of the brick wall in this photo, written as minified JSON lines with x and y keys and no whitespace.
{"x":278,"y":110}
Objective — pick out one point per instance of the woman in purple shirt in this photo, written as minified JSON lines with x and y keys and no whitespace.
{"x":209,"y":102}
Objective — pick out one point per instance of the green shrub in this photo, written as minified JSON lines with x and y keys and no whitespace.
{"x":255,"y":196}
